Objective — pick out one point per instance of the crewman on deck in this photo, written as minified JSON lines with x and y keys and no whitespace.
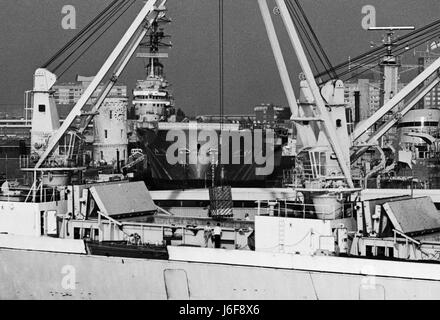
{"x":217,"y":236}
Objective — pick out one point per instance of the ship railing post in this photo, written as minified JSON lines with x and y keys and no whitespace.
{"x":407,"y":248}
{"x":34,"y":188}
{"x":100,"y":227}
{"x":6,"y":166}
{"x":41,"y":187}
{"x":30,"y":191}
{"x":183,"y":235}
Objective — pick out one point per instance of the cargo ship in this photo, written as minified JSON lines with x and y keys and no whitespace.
{"x":320,"y":238}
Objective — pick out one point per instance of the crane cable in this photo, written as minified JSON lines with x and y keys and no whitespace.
{"x":84,"y":31}
{"x":300,"y":28}
{"x":320,"y":47}
{"x":102,"y":22}
{"x":127,"y":5}
{"x":309,"y":37}
{"x":407,"y":40}
{"x":412,"y":39}
{"x":221,"y":77}
{"x":400,"y":50}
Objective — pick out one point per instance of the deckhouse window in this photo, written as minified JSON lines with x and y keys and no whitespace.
{"x":42,"y":108}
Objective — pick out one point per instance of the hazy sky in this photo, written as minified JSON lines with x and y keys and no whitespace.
{"x":31,"y":32}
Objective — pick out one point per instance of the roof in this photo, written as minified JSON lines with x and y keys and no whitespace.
{"x":415,"y":215}
{"x":123,"y":198}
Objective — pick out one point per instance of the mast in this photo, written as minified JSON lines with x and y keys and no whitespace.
{"x":154,"y":42}
{"x":152,"y":102}
{"x":390,"y":64}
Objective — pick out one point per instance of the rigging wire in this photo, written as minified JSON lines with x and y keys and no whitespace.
{"x":221,"y":76}
{"x":309,"y":37}
{"x":103,"y":21}
{"x":84,"y":31}
{"x":128,"y":5}
{"x":400,"y":50}
{"x":320,"y":47}
{"x":221,"y":59}
{"x":411,"y":40}
{"x":301,"y":27}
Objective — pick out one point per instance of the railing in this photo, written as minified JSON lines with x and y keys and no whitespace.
{"x":301,"y":179}
{"x":39,"y":193}
{"x":136,"y":157}
{"x":288,"y":208}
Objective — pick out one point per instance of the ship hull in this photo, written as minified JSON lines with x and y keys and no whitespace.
{"x":160,"y":174}
{"x":27,"y":274}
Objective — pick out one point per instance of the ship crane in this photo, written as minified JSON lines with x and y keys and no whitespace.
{"x":321,"y":98}
{"x":319,"y":114}
{"x":120,"y":56}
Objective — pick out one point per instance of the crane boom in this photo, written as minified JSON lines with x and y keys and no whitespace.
{"x":402,"y":94}
{"x":390,"y":123}
{"x":279,"y":59}
{"x":327,"y":123}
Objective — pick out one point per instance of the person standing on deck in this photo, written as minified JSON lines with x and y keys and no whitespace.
{"x":217,"y":236}
{"x":207,"y":233}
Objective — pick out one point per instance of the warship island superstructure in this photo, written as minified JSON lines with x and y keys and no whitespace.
{"x":106,"y":237}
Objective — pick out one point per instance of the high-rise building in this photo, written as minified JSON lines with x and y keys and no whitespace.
{"x":369,"y":96}
{"x":69,"y":93}
{"x":432,"y":99}
{"x":370,"y":101}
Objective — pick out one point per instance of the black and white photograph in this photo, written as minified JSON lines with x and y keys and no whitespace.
{"x":234,"y":152}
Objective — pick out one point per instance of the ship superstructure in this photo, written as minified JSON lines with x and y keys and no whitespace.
{"x":152,"y":102}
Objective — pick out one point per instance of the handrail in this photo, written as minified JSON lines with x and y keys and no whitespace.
{"x":405,"y":236}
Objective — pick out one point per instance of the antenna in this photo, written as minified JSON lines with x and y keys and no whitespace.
{"x":390,"y":33}
{"x":392,"y":28}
